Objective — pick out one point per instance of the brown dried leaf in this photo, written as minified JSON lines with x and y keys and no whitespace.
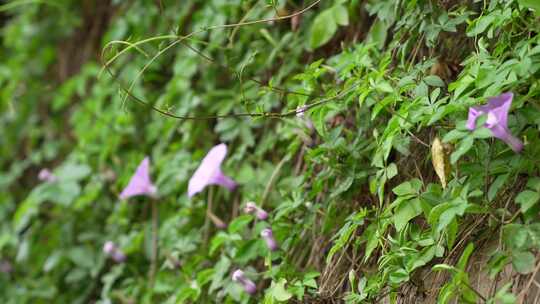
{"x":441,"y":161}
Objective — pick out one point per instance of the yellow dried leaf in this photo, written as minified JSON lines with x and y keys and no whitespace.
{"x":440,"y":159}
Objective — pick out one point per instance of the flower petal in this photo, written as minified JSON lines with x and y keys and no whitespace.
{"x":505,"y":135}
{"x":209,"y":172}
{"x":140,"y":183}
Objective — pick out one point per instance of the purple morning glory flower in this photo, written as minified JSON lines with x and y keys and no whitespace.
{"x":497,"y":119}
{"x":46,"y":175}
{"x":111,"y":250}
{"x":140,"y":183}
{"x":251,"y":208}
{"x":209,"y":172}
{"x":239,"y":277}
{"x":268,"y":236}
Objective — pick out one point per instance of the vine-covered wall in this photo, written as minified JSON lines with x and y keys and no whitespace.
{"x":267,"y":151}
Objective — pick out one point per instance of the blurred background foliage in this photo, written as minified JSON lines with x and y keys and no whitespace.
{"x":355,"y":203}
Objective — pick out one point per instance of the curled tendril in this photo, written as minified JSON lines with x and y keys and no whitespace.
{"x":178,"y":39}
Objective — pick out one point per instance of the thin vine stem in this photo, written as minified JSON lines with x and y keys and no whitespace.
{"x":215,"y":27}
{"x":238,"y":115}
{"x":180,"y":39}
{"x":154,"y":257}
{"x":260,"y":83}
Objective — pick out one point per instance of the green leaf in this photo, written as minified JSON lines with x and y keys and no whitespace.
{"x":319,"y":116}
{"x":341,"y":15}
{"x":221,"y":269}
{"x":372,"y":234}
{"x":82,"y":257}
{"x":344,"y":234}
{"x":398,"y":276}
{"x":310,"y":283}
{"x":527,"y":199}
{"x":205,"y":276}
{"x":534,"y":184}
{"x":443,"y":267}
{"x":464,"y":146}
{"x":532,"y":4}
{"x":434,"y":81}
{"x":384,"y":86}
{"x":408,"y":188}
{"x":534,"y":234}
{"x":26,"y":211}
{"x":239,"y":223}
{"x":454,"y":135}
{"x":523,"y":261}
{"x":378,"y":33}
{"x":323,"y":29}
{"x":452,"y":233}
{"x":391,"y":171}
{"x":482,"y":133}
{"x":342,"y":186}
{"x":464,"y":259}
{"x":73,"y":172}
{"x":447,"y":216}
{"x":496,"y":186}
{"x":278,"y":291}
{"x":217,"y":241}
{"x":480,"y":25}
{"x":406,"y":211}
{"x":504,"y":296}
{"x":75,"y":275}
{"x":52,"y":261}
{"x":515,"y":236}
{"x":249,"y":251}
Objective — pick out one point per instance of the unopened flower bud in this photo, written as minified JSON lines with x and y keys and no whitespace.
{"x":268,"y":236}
{"x":45,"y":175}
{"x":239,"y":277}
{"x":260,"y":213}
{"x":112,"y":251}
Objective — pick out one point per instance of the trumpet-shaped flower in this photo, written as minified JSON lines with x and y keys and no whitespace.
{"x":46,"y":175}
{"x":251,"y":208}
{"x":209,"y":172}
{"x":497,"y":119}
{"x":239,"y":277}
{"x":268,"y":237}
{"x":140,"y":183}
{"x":111,"y":250}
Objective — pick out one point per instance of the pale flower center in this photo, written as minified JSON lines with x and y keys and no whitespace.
{"x":492,"y":120}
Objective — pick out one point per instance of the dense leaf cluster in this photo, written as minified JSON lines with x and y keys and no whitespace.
{"x":89,"y":88}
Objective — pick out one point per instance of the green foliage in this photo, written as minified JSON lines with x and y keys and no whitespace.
{"x":354,"y":202}
{"x":326,"y":24}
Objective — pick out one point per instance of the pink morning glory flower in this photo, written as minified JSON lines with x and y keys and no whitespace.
{"x":251,"y":208}
{"x":239,"y":277}
{"x":209,"y":172}
{"x":497,"y":119}
{"x":46,"y":175}
{"x":112,"y":251}
{"x":268,"y":237}
{"x":140,"y":183}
